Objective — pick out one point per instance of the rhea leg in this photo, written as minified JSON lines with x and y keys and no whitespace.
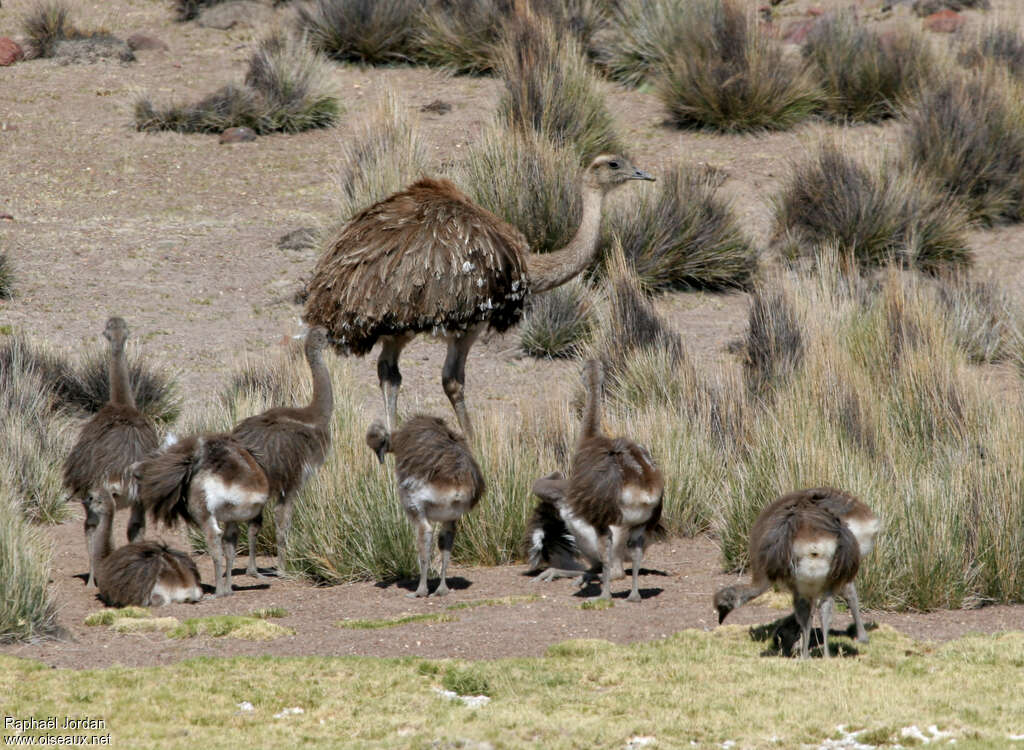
{"x":802,"y":610}
{"x":445,"y":541}
{"x":453,"y":376}
{"x":283,"y":524}
{"x":214,"y":545}
{"x":424,"y":536}
{"x":253,"y":531}
{"x":229,"y":545}
{"x":389,"y":376}
{"x":827,"y":604}
{"x":137,"y":522}
{"x":606,"y":567}
{"x":636,"y":546}
{"x":849,"y":593}
{"x":92,"y":520}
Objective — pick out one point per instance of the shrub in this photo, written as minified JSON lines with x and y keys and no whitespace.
{"x":549,"y":87}
{"x":28,"y":608}
{"x":967,"y":132}
{"x":88,"y":389}
{"x":286,"y":90}
{"x":527,"y":181}
{"x":997,"y":44}
{"x":558,"y":322}
{"x":6,"y":277}
{"x":864,"y":75}
{"x":642,"y":35}
{"x":927,"y":7}
{"x":383,"y":156}
{"x":366,"y":31}
{"x":872,"y":214}
{"x":728,"y":75}
{"x":682,"y":234}
{"x":50,"y":33}
{"x":773,"y":345}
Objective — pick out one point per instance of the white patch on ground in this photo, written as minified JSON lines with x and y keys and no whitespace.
{"x":933,"y":734}
{"x":850,"y":741}
{"x":246,"y":707}
{"x":473,"y":701}
{"x":637,"y":742}
{"x":846,"y":741}
{"x":286,"y":712}
{"x":1016,"y":737}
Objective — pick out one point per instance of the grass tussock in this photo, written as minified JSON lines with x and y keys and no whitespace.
{"x":85,"y":389}
{"x":551,"y":89}
{"x":986,"y":321}
{"x":682,"y":235}
{"x":394,"y":622}
{"x":866,"y":76}
{"x":995,"y":43}
{"x":527,"y":181}
{"x":967,"y":132}
{"x":773,"y":346}
{"x":385,"y":154}
{"x":28,"y":608}
{"x":559,"y":322}
{"x":6,"y":277}
{"x":286,"y":89}
{"x":230,"y":626}
{"x":727,"y":74}
{"x":641,"y":36}
{"x":365,"y":31}
{"x":126,"y":625}
{"x":927,"y":7}
{"x":49,"y":32}
{"x":107,"y":616}
{"x":893,"y":683}
{"x":873,"y":213}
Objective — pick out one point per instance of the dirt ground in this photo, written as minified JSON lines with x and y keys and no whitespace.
{"x":177,"y":234}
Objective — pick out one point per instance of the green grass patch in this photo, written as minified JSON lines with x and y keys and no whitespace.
{"x":394,"y":622}
{"x":233,"y":626}
{"x":107,"y":616}
{"x":265,"y":613}
{"x":144,"y":625}
{"x":501,"y":601}
{"x":692,"y":687}
{"x":597,"y":604}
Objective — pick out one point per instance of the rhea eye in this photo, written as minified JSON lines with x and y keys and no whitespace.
{"x":613,"y":165}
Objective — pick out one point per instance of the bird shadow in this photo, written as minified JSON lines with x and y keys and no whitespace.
{"x":593,"y":588}
{"x":784,"y":635}
{"x":455,"y":583}
{"x":83,"y":577}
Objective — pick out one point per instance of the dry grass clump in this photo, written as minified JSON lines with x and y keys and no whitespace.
{"x":384,"y":155}
{"x":28,"y":608}
{"x":559,"y":322}
{"x":186,"y":10}
{"x":997,"y":44}
{"x":773,"y":346}
{"x":50,"y":33}
{"x":526,"y":180}
{"x":286,"y":89}
{"x":642,"y":34}
{"x":864,"y":75}
{"x":551,"y":88}
{"x":87,"y":388}
{"x":872,"y":213}
{"x":365,"y":31}
{"x":726,"y":74}
{"x":984,"y":318}
{"x":6,"y":277}
{"x":967,"y":132}
{"x":927,"y":7}
{"x":682,"y":234}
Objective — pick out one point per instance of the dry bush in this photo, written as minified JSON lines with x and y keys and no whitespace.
{"x":559,"y":322}
{"x":682,"y":234}
{"x":383,"y":156}
{"x":727,"y":74}
{"x":6,"y":277}
{"x":985,"y":320}
{"x":28,"y":608}
{"x":527,"y":181}
{"x":365,"y":31}
{"x":86,"y":389}
{"x":967,"y":132}
{"x":50,"y":33}
{"x":872,"y":213}
{"x":287,"y":89}
{"x":641,"y":35}
{"x":551,"y":88}
{"x":773,"y":347}
{"x":866,"y":76}
{"x":995,"y":43}
{"x":927,"y":7}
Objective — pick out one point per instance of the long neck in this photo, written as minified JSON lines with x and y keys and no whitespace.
{"x":323,"y":395}
{"x":592,"y":411}
{"x":120,"y":384}
{"x":548,"y":270}
{"x":102,"y":542}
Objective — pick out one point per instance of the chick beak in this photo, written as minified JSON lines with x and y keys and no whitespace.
{"x":639,"y":174}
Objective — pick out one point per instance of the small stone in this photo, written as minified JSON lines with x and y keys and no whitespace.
{"x":10,"y":51}
{"x":238,"y":135}
{"x":438,"y":107}
{"x":944,"y":22}
{"x":139,"y":41}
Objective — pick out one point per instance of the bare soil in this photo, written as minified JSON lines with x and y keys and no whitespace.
{"x":177,"y":234}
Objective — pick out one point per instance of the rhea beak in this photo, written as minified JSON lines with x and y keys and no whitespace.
{"x":639,"y":174}
{"x":381,"y":451}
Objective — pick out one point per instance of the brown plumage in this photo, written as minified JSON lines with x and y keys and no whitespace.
{"x":142,"y":574}
{"x":114,"y":438}
{"x":438,"y":481}
{"x":290,"y":444}
{"x":210,"y":481}
{"x":614,"y":482}
{"x":428,"y":260}
{"x":809,"y":542}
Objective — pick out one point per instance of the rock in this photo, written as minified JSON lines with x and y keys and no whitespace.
{"x":238,"y":135}
{"x":240,"y":13}
{"x":302,"y":238}
{"x":91,"y":49}
{"x":10,"y":51}
{"x":438,"y":107}
{"x":139,"y":41}
{"x":944,"y":22}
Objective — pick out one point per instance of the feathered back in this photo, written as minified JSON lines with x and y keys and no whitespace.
{"x":287,"y":451}
{"x":110,"y":442}
{"x":164,"y":479}
{"x":422,"y":260}
{"x":601,"y":469}
{"x":127,"y":576}
{"x":427,"y":450}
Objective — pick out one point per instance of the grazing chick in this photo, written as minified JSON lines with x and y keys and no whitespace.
{"x":141,"y":574}
{"x":614,"y":482}
{"x":801,"y":544}
{"x":438,"y":481}
{"x":210,"y":481}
